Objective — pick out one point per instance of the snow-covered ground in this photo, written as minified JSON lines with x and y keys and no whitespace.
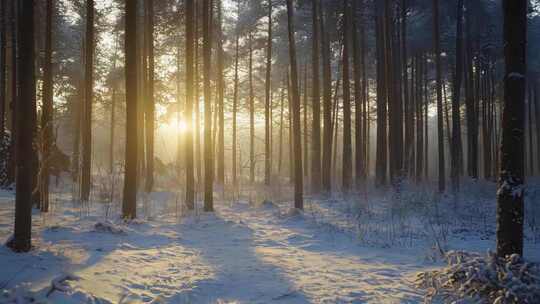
{"x":366,"y":249}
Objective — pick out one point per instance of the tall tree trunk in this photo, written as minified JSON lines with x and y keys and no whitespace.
{"x":280,"y":157}
{"x":221,"y":92}
{"x":316,"y":100}
{"x":306,"y":132}
{"x":267,"y":98}
{"x":419,"y":118}
{"x":381,"y":155}
{"x":511,"y":187}
{"x":149,"y":102}
{"x":208,"y":155}
{"x":440,"y":128}
{"x":47,"y":111}
{"x":3,"y":79}
{"x":14,"y":95}
{"x":298,"y":178}
{"x":470,"y":103}
{"x":251,"y":115}
{"x":86,"y":170}
{"x":358,"y":96}
{"x":347,"y":147}
{"x":21,"y":241}
{"x":129,"y":203}
{"x":113,"y":111}
{"x":327,"y":109}
{"x":235,"y":109}
{"x":190,"y":75}
{"x":530,"y":130}
{"x":456,"y":95}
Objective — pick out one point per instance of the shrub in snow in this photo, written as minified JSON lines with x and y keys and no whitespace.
{"x":484,"y":279}
{"x":108,"y":227}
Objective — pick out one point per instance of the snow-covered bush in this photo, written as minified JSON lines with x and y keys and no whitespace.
{"x":484,"y":279}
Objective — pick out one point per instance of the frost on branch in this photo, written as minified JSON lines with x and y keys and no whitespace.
{"x":485,"y":279}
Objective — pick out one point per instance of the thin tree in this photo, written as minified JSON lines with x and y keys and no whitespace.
{"x":208,"y":155}
{"x":347,"y":147}
{"x":220,"y":93}
{"x":190,"y":178}
{"x":235,"y":107}
{"x":327,"y":109}
{"x":316,"y":100}
{"x":149,"y":102}
{"x":129,"y":203}
{"x":86,"y":170}
{"x":251,"y":115}
{"x":21,"y":241}
{"x":3,"y":76}
{"x":267,"y":98}
{"x":438,"y":68}
{"x":297,"y":144}
{"x":47,"y":111}
{"x":456,"y":94}
{"x":512,"y":175}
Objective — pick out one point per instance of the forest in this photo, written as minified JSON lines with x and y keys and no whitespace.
{"x":270,"y":151}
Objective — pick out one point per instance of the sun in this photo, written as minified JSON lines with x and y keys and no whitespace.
{"x":176,"y":125}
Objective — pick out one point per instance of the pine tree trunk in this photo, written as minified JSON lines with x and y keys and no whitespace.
{"x":14,"y":95}
{"x":358,"y":97}
{"x":456,"y":96}
{"x":306,"y":132}
{"x":190,"y":75}
{"x":208,"y":155}
{"x":3,"y":78}
{"x":129,"y":203}
{"x":86,"y":170}
{"x":235,"y":110}
{"x":440,"y":128}
{"x":221,"y":92}
{"x":297,"y":144}
{"x":381,"y":154}
{"x":251,"y":115}
{"x":267,"y":98}
{"x":149,"y":102}
{"x":347,"y":147}
{"x":280,"y":155}
{"x":316,"y":101}
{"x":47,"y":111}
{"x":21,"y":241}
{"x":327,"y":109}
{"x":511,"y":187}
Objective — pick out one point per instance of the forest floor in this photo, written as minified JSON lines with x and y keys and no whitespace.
{"x":336,"y":251}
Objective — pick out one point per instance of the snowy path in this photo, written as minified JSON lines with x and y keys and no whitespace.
{"x":240,"y":254}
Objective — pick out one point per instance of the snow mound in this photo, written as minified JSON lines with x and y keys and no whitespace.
{"x":485,"y":279}
{"x":61,"y":290}
{"x":108,"y":227}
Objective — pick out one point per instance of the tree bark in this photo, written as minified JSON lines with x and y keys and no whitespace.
{"x":511,"y":183}
{"x":297,"y":144}
{"x":327,"y":110}
{"x":316,"y":100}
{"x":86,"y":170}
{"x":347,"y":147}
{"x":440,"y":128}
{"x":190,"y":77}
{"x":47,"y":111}
{"x":208,"y":149}
{"x":267,"y":168}
{"x":150,"y":102}
{"x":129,"y":203}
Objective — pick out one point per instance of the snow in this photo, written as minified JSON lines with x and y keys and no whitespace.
{"x":367,"y":249}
